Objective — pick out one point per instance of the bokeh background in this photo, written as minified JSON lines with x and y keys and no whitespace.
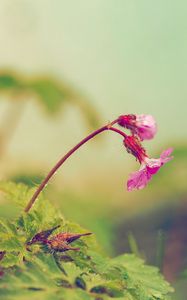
{"x":67,"y":67}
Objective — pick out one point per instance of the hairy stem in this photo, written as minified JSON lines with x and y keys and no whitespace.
{"x":66,"y":156}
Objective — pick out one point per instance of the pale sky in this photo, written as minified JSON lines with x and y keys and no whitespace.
{"x":127,"y":56}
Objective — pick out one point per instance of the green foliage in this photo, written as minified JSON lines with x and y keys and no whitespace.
{"x":30,"y":180}
{"x":33,"y":271}
{"x":53,"y":95}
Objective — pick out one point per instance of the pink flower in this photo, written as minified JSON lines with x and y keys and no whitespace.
{"x":142,"y":125}
{"x":149,"y":166}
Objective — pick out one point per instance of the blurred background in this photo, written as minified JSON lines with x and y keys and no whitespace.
{"x":68,"y":67}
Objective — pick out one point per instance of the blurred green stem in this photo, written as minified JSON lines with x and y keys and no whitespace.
{"x":133,"y":244}
{"x":10,"y":123}
{"x":160,"y":249}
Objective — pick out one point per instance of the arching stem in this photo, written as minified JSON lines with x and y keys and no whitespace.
{"x":66,"y":156}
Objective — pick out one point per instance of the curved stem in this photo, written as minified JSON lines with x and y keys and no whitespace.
{"x":65,"y":157}
{"x":118,"y":131}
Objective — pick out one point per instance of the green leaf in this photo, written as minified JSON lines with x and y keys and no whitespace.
{"x":10,"y":259}
{"x":43,"y":212}
{"x":10,"y":81}
{"x":17,"y":193}
{"x":32,"y":271}
{"x":49,"y":92}
{"x":141,"y":278}
{"x":7,"y":227}
{"x":10,"y":244}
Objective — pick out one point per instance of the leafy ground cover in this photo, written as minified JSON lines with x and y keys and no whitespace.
{"x":39,"y":272}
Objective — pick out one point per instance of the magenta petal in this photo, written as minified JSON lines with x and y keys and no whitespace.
{"x":145,"y":126}
{"x":138,"y":180}
{"x":142,"y":125}
{"x":165,"y":155}
{"x":153,"y":171}
{"x":153,"y":165}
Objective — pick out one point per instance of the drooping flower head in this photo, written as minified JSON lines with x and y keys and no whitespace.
{"x":149,"y":166}
{"x":144,"y":126}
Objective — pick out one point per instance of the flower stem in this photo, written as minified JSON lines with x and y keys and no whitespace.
{"x":65,"y":157}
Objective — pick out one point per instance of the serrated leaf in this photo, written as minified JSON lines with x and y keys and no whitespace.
{"x":10,"y":259}
{"x":10,"y":244}
{"x":39,"y":278}
{"x":17,"y":193}
{"x":31,"y":271}
{"x":140,"y":275}
{"x":43,"y":212}
{"x":7,"y":227}
{"x":72,"y":271}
